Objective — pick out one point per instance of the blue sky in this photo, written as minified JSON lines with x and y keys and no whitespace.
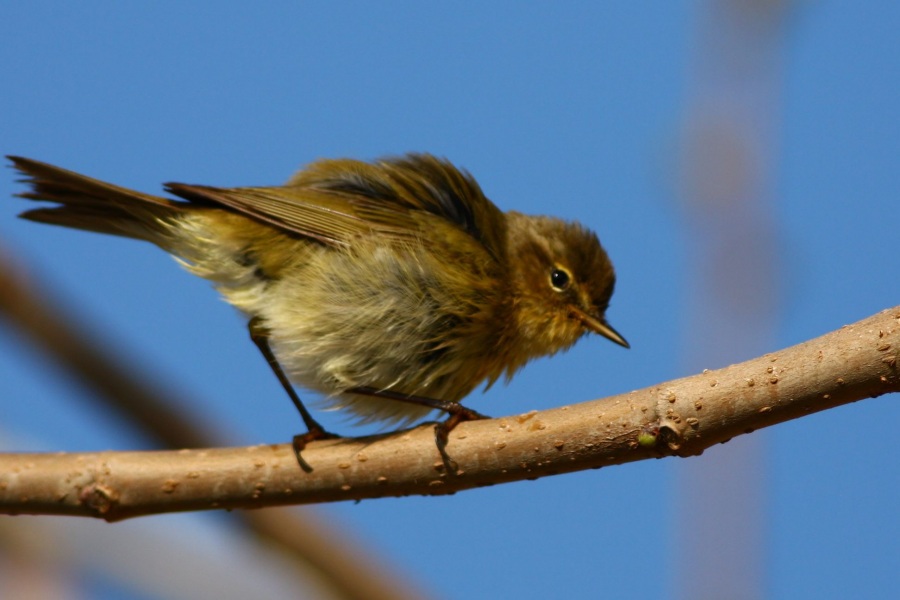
{"x":571,"y":110}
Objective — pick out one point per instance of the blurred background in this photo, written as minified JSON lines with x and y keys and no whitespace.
{"x":738,"y":159}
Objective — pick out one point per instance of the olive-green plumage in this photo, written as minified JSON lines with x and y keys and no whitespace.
{"x":394,"y":275}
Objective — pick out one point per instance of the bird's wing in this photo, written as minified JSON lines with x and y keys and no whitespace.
{"x":334,"y":201}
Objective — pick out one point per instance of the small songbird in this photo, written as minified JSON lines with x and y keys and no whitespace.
{"x":392,"y":288}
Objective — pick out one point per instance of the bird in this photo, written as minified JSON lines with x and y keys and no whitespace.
{"x":391,"y":288}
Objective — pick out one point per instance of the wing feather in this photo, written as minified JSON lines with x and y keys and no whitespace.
{"x":334,"y":201}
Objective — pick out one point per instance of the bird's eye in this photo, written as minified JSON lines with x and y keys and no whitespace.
{"x":560,"y":279}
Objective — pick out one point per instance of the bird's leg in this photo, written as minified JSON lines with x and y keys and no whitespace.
{"x":458,"y":413}
{"x":259,"y":333}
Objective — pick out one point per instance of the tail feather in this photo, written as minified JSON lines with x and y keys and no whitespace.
{"x":94,"y":205}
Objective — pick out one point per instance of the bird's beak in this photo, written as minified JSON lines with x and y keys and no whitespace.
{"x":598,"y":326}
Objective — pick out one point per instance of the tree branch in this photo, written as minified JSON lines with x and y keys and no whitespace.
{"x":681,"y":417}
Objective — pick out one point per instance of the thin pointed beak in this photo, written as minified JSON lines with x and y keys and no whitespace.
{"x":597,"y":326}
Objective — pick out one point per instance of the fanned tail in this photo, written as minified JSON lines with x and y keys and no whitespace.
{"x":94,"y":205}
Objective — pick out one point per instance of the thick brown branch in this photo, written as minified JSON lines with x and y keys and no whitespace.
{"x":682,"y":417}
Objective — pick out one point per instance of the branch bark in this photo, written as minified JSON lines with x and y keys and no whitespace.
{"x":681,"y":418}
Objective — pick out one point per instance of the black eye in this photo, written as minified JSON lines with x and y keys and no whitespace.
{"x":559,"y":279}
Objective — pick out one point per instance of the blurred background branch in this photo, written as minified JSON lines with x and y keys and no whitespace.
{"x":728,"y":159}
{"x":340,"y":561}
